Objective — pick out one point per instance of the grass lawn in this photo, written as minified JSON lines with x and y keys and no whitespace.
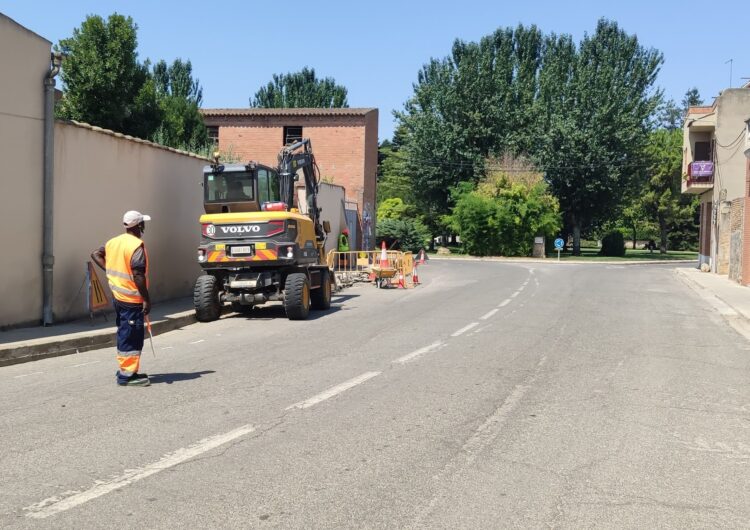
{"x":630,"y":255}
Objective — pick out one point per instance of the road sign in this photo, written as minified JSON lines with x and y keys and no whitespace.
{"x":559,"y":243}
{"x":97,"y":297}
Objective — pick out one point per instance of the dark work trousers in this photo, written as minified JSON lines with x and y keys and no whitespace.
{"x":130,"y":333}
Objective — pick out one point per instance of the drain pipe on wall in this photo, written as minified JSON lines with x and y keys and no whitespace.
{"x":48,"y":258}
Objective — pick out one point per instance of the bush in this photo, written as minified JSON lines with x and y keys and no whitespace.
{"x":613,"y":244}
{"x":505,"y":224}
{"x":403,"y":234}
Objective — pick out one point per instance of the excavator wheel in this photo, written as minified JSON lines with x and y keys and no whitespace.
{"x":206,"y":298}
{"x":297,"y":296}
{"x":321,"y":297}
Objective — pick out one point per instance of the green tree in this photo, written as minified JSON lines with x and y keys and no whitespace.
{"x":692,"y":98}
{"x":393,"y":181}
{"x":179,"y":97}
{"x":599,"y":124}
{"x":405,"y":234}
{"x":104,"y":83}
{"x":505,"y":211}
{"x":300,"y":89}
{"x":394,"y":208}
{"x":662,"y":199}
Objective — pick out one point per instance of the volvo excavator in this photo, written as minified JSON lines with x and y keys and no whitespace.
{"x":256,"y":246}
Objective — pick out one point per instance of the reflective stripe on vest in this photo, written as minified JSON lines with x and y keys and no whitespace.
{"x":118,"y":254}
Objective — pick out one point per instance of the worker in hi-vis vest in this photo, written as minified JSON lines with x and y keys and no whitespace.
{"x":344,"y":247}
{"x":125,"y":261}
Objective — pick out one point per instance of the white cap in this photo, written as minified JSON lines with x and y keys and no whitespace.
{"x":133,"y":218}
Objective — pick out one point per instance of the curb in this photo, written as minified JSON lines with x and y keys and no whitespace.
{"x":567,"y":261}
{"x":33,"y":350}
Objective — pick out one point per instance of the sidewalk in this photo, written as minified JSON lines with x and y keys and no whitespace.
{"x":29,"y":344}
{"x":714,"y":286}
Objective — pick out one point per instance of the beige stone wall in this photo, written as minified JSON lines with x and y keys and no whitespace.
{"x":24,"y":61}
{"x":736,"y":226}
{"x":99,"y":176}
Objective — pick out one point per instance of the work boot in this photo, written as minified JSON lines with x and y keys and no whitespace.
{"x":135,"y":380}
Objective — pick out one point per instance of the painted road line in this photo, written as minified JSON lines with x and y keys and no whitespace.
{"x":83,"y":364}
{"x":333,"y":391}
{"x":26,"y":375}
{"x":55,"y":505}
{"x":504,"y":302}
{"x":421,"y":351}
{"x":515,"y":294}
{"x":198,"y":341}
{"x":465,"y":329}
{"x":167,"y":347}
{"x":488,"y":314}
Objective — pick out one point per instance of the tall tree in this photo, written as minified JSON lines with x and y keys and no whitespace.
{"x":300,"y":89}
{"x":104,"y":83}
{"x":662,"y":199}
{"x":692,"y":98}
{"x":179,"y":97}
{"x":596,"y":133}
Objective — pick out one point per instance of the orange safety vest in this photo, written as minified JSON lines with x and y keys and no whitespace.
{"x":118,"y":254}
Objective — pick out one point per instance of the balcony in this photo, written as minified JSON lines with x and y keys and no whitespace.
{"x":700,"y":177}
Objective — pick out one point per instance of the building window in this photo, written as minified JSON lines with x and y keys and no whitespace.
{"x":703,"y":151}
{"x":292,"y":135}
{"x":213,"y":134}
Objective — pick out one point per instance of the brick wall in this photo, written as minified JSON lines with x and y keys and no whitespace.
{"x":736,"y":218}
{"x":345,"y":146}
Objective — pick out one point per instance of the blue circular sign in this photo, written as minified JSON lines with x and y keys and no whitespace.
{"x":559,"y":243}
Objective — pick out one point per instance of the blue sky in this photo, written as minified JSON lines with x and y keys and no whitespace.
{"x":376,"y":49}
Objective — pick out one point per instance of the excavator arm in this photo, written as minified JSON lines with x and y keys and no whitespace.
{"x":297,"y":156}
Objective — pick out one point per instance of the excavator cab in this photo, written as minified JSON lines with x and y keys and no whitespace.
{"x":241,"y":188}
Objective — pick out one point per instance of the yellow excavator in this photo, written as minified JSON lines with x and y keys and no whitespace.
{"x":256,"y":246}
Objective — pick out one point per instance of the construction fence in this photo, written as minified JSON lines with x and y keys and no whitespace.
{"x":389,"y":269}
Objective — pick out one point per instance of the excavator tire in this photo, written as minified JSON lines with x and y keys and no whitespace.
{"x":206,"y":298}
{"x":321,"y":297}
{"x":297,"y":296}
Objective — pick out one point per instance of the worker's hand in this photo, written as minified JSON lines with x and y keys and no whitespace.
{"x":146,"y":307}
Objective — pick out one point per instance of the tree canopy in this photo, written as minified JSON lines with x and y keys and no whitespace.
{"x":106,"y":85}
{"x":581,"y":111}
{"x":300,"y":89}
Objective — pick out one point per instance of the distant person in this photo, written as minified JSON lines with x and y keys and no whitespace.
{"x":344,"y":247}
{"x":125,"y":261}
{"x":651,"y":246}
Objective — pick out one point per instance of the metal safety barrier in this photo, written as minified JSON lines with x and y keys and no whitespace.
{"x":366,"y":266}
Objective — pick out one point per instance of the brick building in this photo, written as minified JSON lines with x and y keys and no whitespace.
{"x":345,"y":143}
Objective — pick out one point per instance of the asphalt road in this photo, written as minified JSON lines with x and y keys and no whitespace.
{"x":495,"y":395}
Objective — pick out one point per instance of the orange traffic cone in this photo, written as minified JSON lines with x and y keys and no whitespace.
{"x":415,"y":275}
{"x":401,"y":281}
{"x":421,"y":257}
{"x":383,"y":257}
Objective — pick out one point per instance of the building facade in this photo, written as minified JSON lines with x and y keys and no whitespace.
{"x":715,"y":168}
{"x":345,"y":143}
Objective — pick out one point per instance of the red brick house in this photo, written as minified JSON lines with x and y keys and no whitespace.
{"x":345,"y":143}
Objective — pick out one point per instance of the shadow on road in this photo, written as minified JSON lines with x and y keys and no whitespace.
{"x":171,"y":378}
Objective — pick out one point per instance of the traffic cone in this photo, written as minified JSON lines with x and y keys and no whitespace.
{"x":383,"y":257}
{"x":401,"y":281}
{"x":421,"y":257}
{"x":415,"y":275}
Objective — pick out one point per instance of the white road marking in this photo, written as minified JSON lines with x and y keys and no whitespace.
{"x":421,"y":351}
{"x":83,"y":364}
{"x":482,"y":438}
{"x":333,"y":391}
{"x":465,"y":329}
{"x":515,"y":294}
{"x":26,"y":375}
{"x":55,"y":505}
{"x":488,"y":314}
{"x":504,"y":302}
{"x":198,"y":341}
{"x":167,"y":347}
